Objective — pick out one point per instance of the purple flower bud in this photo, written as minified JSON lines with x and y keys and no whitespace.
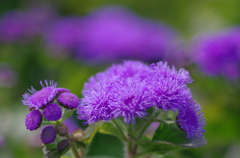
{"x":62,"y":90}
{"x":68,"y":100}
{"x":38,"y":99}
{"x":33,"y":120}
{"x":63,"y":145}
{"x":62,"y":130}
{"x":52,"y":112}
{"x":48,"y":135}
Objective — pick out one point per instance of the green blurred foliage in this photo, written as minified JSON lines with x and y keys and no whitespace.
{"x":218,"y":97}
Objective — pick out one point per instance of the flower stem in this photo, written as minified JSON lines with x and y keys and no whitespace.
{"x":147,"y":124}
{"x":73,"y":148}
{"x":120,"y":130}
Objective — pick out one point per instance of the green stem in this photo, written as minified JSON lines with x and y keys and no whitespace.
{"x":120,"y":130}
{"x":73,"y":148}
{"x":148,"y":123}
{"x":130,"y":142}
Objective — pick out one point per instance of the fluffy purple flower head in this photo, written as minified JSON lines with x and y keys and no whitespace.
{"x":52,"y":112}
{"x":114,"y":33}
{"x":127,"y":90}
{"x":38,"y":99}
{"x":190,"y":120}
{"x":219,"y":54}
{"x":33,"y":120}
{"x":68,"y":100}
{"x":48,"y":134}
{"x":168,"y":86}
{"x":96,"y":104}
{"x":131,"y":101}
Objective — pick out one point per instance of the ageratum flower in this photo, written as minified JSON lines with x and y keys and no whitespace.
{"x":127,"y":90}
{"x":39,"y":99}
{"x":219,"y":54}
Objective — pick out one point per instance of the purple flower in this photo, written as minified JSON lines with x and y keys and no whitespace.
{"x":48,"y":134}
{"x":219,"y":54}
{"x":114,"y":33}
{"x":52,"y":112}
{"x":127,"y":90}
{"x":63,"y":35}
{"x":24,"y":25}
{"x":111,"y":34}
{"x":68,"y":100}
{"x":33,"y":120}
{"x":8,"y":76}
{"x":190,"y":120}
{"x":39,"y":99}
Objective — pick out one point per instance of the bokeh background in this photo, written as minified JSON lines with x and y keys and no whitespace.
{"x":70,"y":40}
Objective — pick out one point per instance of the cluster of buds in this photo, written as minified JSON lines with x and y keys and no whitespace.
{"x":50,"y":104}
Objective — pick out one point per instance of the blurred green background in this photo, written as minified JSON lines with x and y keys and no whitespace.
{"x":29,"y":63}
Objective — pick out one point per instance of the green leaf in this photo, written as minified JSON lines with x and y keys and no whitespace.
{"x":169,"y":132}
{"x":90,"y":132}
{"x":110,"y":128}
{"x":105,"y":146}
{"x":169,"y":137}
{"x":66,"y":114}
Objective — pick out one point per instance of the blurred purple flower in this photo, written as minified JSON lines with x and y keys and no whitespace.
{"x":111,"y":34}
{"x":219,"y":54}
{"x":2,"y":141}
{"x":63,"y":35}
{"x":18,"y":26}
{"x":7,"y":76}
{"x":71,"y":125}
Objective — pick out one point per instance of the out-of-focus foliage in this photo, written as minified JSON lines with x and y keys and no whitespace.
{"x":24,"y":63}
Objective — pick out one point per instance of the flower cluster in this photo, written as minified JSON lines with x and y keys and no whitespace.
{"x":219,"y":54}
{"x":127,"y":90}
{"x":47,"y":104}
